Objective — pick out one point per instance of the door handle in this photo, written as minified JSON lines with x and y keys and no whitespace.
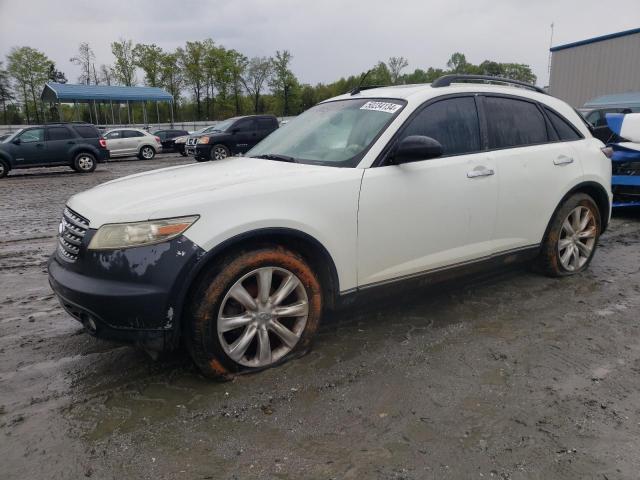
{"x":480,"y":172}
{"x":563,"y":160}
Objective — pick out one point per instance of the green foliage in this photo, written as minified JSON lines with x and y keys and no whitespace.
{"x":29,"y":68}
{"x":148,"y":58}
{"x":256,"y":74}
{"x":124,"y":68}
{"x":284,"y":83}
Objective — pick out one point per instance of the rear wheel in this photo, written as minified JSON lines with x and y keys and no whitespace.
{"x":4,"y":169}
{"x":146,"y":153}
{"x":253,"y":311}
{"x":219,"y":152}
{"x":84,"y":163}
{"x":572,"y":238}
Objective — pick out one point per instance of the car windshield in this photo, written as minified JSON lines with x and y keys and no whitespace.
{"x":12,"y":136}
{"x":337,"y":133}
{"x":222,"y":126}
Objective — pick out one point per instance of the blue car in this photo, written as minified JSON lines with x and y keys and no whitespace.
{"x":625,"y":180}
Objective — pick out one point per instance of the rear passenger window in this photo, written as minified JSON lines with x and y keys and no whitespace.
{"x":86,"y":131}
{"x":514,"y":123}
{"x":565,"y":131}
{"x":266,"y":124}
{"x":59,"y":133}
{"x":132,"y":134}
{"x":452,"y":122}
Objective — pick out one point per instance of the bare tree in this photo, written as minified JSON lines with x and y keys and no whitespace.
{"x":106,"y":74}
{"x":85,"y":60}
{"x":396,"y":65}
{"x":256,"y":75}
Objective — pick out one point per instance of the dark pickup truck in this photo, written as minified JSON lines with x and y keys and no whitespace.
{"x":233,"y":136}
{"x":77,"y":145}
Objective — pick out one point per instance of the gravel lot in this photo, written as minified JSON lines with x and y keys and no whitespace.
{"x":509,"y":376}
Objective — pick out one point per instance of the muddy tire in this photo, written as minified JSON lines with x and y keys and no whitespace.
{"x":84,"y":163}
{"x":4,"y":169}
{"x":572,"y":237}
{"x":252,"y":310}
{"x":183,"y":153}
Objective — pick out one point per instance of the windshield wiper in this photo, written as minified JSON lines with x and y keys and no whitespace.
{"x":277,"y":156}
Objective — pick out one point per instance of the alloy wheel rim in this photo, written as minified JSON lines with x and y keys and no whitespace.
{"x":219,"y":153}
{"x":147,"y":153}
{"x":577,"y":238}
{"x":1,"y":169}
{"x":262,"y":316}
{"x":85,"y":163}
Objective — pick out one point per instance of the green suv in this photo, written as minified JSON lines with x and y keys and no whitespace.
{"x":78,"y":145}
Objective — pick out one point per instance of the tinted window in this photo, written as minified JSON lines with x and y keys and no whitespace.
{"x":86,"y":131}
{"x":563,"y":128}
{"x":132,"y":134}
{"x":32,"y":135}
{"x":163,"y":135}
{"x":266,"y":123}
{"x":113,"y":135}
{"x":514,"y":123}
{"x":244,"y":125}
{"x":452,"y":122}
{"x":59,"y":133}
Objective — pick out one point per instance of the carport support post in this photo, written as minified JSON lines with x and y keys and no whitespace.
{"x":144,"y":114}
{"x":90,"y":115}
{"x":60,"y":112}
{"x":95,"y":107}
{"x":128,"y":113}
{"x":171,"y":104}
{"x":157,"y":113}
{"x":113,"y":119}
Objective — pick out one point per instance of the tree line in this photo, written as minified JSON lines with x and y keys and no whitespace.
{"x":207,"y":80}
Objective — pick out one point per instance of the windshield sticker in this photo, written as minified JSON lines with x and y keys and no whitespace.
{"x":381,"y":107}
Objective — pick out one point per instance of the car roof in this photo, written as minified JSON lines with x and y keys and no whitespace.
{"x":126,"y":128}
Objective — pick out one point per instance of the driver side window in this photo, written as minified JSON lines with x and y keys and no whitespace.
{"x":453,"y":122}
{"x":244,"y":126}
{"x":32,"y":135}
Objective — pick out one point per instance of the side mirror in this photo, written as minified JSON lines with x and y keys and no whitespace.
{"x":416,"y":147}
{"x":17,"y":141}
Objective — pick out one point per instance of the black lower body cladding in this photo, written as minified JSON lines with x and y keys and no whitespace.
{"x":133,"y":295}
{"x":203,"y":152}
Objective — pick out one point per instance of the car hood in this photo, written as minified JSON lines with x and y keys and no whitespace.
{"x":191,"y":189}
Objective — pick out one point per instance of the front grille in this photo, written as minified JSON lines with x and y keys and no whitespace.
{"x":626,"y":168}
{"x":73,"y":228}
{"x":192,"y":141}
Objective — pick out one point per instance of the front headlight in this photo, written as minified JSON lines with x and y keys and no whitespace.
{"x":203,"y":140}
{"x":180,"y":140}
{"x":125,"y":235}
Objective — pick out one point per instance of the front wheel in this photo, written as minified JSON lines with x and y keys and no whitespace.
{"x":84,"y":163}
{"x":572,"y":237}
{"x":219,"y":152}
{"x":253,"y":311}
{"x":4,"y":169}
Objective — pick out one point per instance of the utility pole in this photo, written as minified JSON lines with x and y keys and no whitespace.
{"x":550,"y":45}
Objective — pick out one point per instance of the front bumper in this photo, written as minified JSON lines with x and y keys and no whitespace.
{"x":626,"y":190}
{"x":203,"y":152}
{"x":133,"y":295}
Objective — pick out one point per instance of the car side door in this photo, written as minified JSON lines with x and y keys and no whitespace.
{"x":266,"y":125}
{"x":60,"y":141}
{"x":535,"y":168}
{"x":115,"y":142}
{"x":133,"y":139}
{"x":428,"y":215}
{"x":29,"y":148}
{"x":244,"y":134}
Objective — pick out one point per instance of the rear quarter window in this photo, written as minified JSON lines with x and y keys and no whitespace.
{"x":565,"y":131}
{"x":514,"y":123}
{"x":86,"y":131}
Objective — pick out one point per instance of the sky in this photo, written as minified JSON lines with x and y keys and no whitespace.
{"x":328,"y":38}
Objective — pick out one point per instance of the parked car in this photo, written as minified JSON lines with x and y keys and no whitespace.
{"x":233,"y":136}
{"x":168,"y":137}
{"x":239,"y":258}
{"x":625,"y":182}
{"x":4,"y":136}
{"x":192,"y":138}
{"x":78,"y":145}
{"x":129,"y":142}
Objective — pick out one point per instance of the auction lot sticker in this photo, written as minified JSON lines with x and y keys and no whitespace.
{"x":381,"y":107}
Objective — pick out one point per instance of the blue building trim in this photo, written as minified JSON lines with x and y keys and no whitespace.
{"x":65,"y":92}
{"x":595,"y":39}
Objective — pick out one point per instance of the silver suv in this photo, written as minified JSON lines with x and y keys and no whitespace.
{"x":127,"y":142}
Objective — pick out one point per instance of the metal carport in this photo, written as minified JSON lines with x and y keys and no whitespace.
{"x":105,"y":94}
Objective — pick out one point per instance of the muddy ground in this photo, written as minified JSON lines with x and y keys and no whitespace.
{"x":510,"y":376}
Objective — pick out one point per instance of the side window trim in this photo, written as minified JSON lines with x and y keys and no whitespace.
{"x":564,"y":119}
{"x":381,"y":160}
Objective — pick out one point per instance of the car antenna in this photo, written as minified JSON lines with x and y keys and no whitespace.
{"x":362,"y":79}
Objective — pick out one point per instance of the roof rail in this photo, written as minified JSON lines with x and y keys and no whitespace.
{"x":447,"y":80}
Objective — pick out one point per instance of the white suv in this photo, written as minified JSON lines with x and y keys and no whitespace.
{"x":239,"y":257}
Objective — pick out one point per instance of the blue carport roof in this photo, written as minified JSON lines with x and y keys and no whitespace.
{"x":65,"y":92}
{"x":622,"y":100}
